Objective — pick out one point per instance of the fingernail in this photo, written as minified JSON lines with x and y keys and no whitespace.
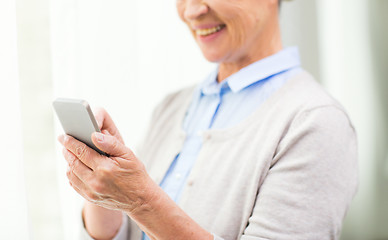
{"x":99,"y":136}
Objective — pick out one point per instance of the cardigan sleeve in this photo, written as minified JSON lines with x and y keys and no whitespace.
{"x":311,"y":182}
{"x":122,"y":234}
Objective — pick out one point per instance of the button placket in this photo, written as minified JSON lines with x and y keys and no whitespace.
{"x":190,"y":182}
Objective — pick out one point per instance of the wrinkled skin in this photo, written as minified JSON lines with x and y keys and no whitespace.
{"x":120,"y":182}
{"x":117,"y":182}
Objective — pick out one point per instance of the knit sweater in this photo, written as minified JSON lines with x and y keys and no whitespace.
{"x":288,"y":171}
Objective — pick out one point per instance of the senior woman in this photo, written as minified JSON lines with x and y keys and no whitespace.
{"x":256,"y":151}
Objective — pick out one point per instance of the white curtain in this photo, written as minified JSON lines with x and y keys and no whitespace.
{"x":348,"y":73}
{"x":13,"y":204}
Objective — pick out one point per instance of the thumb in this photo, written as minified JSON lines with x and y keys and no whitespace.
{"x":111,"y":145}
{"x":99,"y":116}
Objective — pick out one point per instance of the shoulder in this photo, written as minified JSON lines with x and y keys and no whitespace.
{"x":315,"y":118}
{"x":303,"y":96}
{"x":319,"y":133}
{"x":309,"y":118}
{"x":304,"y":90}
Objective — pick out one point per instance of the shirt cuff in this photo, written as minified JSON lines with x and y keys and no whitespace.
{"x":122,"y":234}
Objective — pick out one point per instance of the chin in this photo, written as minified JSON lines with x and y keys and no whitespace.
{"x":213,"y":57}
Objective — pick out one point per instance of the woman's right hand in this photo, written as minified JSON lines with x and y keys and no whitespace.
{"x":106,"y":124}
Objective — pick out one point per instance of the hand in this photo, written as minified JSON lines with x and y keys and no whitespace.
{"x":120,"y":182}
{"x":106,"y":124}
{"x":117,"y":182}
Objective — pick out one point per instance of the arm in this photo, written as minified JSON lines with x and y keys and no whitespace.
{"x":311,"y":182}
{"x":160,"y":218}
{"x":99,"y":222}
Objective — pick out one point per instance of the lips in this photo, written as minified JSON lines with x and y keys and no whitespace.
{"x":210,"y":30}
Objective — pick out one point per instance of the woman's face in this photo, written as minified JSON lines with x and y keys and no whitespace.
{"x":228,"y":30}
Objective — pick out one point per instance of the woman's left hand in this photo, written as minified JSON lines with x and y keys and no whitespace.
{"x":118,"y":182}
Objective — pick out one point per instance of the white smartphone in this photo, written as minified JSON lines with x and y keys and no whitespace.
{"x":77,"y":120}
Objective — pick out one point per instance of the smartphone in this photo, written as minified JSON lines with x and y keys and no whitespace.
{"x":77,"y":120}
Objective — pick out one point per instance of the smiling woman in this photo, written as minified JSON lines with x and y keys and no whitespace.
{"x":226,"y":153}
{"x":253,"y":138}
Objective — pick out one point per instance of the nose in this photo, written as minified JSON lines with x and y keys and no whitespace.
{"x":194,"y":9}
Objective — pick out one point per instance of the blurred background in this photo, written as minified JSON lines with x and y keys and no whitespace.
{"x":126,"y":55}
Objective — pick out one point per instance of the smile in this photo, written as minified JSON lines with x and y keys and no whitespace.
{"x":209,"y":31}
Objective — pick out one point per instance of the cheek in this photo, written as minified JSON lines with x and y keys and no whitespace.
{"x":228,"y":12}
{"x":180,"y":9}
{"x":243,"y":26}
{"x":239,"y":16}
{"x":238,"y":30}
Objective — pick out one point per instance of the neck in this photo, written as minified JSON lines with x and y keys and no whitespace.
{"x":267,"y":44}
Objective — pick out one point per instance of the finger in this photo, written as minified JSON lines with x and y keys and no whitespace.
{"x":69,"y":157}
{"x":74,"y":180}
{"x":99,"y":114}
{"x":82,"y":171}
{"x":79,"y":186}
{"x":81,"y":151}
{"x":111,"y":145}
{"x":105,"y":122}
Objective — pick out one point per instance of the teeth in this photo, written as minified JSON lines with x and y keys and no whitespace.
{"x":208,"y":31}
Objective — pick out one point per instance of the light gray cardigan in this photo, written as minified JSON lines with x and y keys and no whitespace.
{"x":288,"y":171}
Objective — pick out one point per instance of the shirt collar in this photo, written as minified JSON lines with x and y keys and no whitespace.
{"x":284,"y":60}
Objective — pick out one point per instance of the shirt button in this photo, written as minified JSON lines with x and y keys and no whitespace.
{"x":207,"y":136}
{"x":190,"y":182}
{"x":178,"y":176}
